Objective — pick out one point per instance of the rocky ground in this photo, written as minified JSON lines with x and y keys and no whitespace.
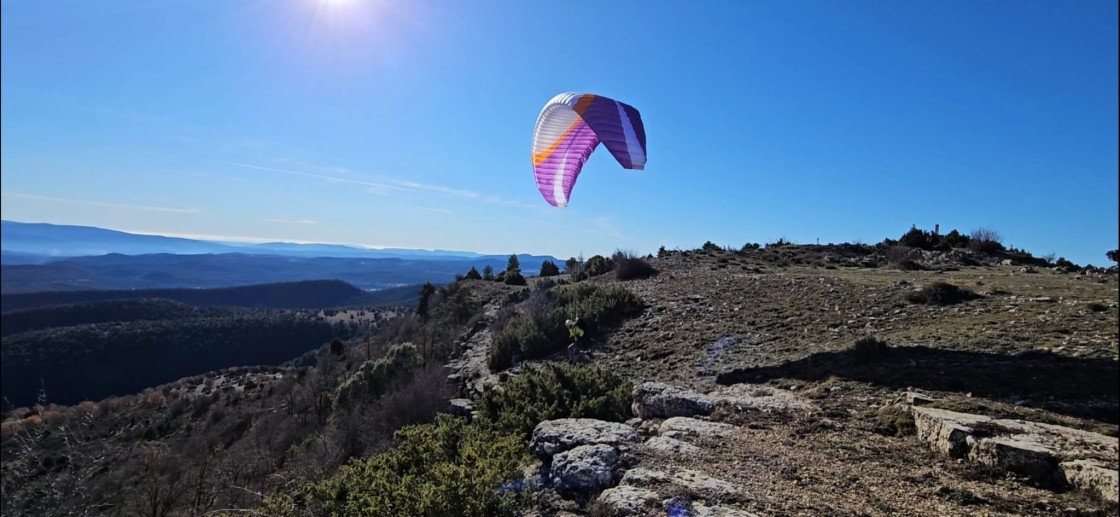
{"x":800,"y":420}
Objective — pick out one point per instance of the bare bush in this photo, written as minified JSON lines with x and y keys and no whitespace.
{"x":985,"y":240}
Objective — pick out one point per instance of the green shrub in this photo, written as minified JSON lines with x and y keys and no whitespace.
{"x":869,"y":350}
{"x":537,"y":330}
{"x":954,"y":239}
{"x":456,"y":303}
{"x":628,"y":266}
{"x":513,"y":278}
{"x":942,"y":293}
{"x":473,"y":274}
{"x":447,"y":467}
{"x":549,"y":268}
{"x":376,"y":376}
{"x":598,"y":265}
{"x":1062,"y":262}
{"x":917,"y":238}
{"x":555,"y":390}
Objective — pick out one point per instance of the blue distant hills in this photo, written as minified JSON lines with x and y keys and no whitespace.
{"x":49,"y":257}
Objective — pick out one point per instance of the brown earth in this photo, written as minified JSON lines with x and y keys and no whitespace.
{"x":1041,"y":346}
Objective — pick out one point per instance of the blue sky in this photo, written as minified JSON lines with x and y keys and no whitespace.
{"x":409,"y":124}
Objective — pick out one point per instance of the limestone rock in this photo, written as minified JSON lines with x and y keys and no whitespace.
{"x":1093,"y":476}
{"x":683,"y":428}
{"x":659,"y":400}
{"x":917,"y":399}
{"x":700,"y":510}
{"x":703,"y":485}
{"x":461,"y":408}
{"x":669,"y":446}
{"x":1046,"y":453}
{"x":643,"y":477}
{"x":585,"y":467}
{"x":556,"y":436}
{"x":628,"y":500}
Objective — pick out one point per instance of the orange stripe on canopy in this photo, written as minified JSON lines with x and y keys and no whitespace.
{"x":540,"y":157}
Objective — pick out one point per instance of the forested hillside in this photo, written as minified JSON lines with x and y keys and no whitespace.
{"x":311,"y":294}
{"x":90,"y":362}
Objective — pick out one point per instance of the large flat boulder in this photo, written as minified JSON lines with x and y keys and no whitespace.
{"x":555,"y":436}
{"x":684,"y":428}
{"x":766,"y":399}
{"x":660,"y":400}
{"x":670,"y":446}
{"x":1049,"y":454}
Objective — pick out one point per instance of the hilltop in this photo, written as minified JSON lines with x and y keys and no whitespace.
{"x":777,"y":380}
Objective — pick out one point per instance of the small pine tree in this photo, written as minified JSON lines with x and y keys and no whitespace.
{"x":473,"y":274}
{"x":514,"y":264}
{"x":1113,"y":255}
{"x":426,"y":293}
{"x":487,"y":273}
{"x":514,"y":278}
{"x":549,"y":268}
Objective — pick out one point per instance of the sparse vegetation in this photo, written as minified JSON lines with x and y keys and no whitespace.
{"x":985,"y":240}
{"x":538,"y":330}
{"x":942,"y":293}
{"x":895,"y":420}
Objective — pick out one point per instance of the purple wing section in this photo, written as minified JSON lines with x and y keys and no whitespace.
{"x":557,"y":174}
{"x":620,"y":128}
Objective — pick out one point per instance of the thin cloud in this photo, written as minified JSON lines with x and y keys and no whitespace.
{"x":332,"y":179}
{"x":439,"y":210}
{"x":102,"y":204}
{"x":467,"y":194}
{"x":290,"y":221}
{"x":606,"y":226}
{"x":376,"y":187}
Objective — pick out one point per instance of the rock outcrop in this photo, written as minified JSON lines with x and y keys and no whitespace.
{"x":658,"y":400}
{"x":555,"y":436}
{"x":1048,"y":454}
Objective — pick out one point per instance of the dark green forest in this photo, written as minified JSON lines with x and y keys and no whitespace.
{"x":312,"y":294}
{"x":101,"y":312}
{"x":93,"y":361}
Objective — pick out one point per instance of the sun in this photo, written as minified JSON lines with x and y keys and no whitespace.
{"x":336,"y":4}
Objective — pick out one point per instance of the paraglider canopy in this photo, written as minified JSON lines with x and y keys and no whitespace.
{"x":569,"y":128}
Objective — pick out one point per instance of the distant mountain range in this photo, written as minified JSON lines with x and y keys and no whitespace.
{"x":47,"y":257}
{"x":41,"y":242}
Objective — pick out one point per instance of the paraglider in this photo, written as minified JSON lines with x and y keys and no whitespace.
{"x":570,"y":127}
